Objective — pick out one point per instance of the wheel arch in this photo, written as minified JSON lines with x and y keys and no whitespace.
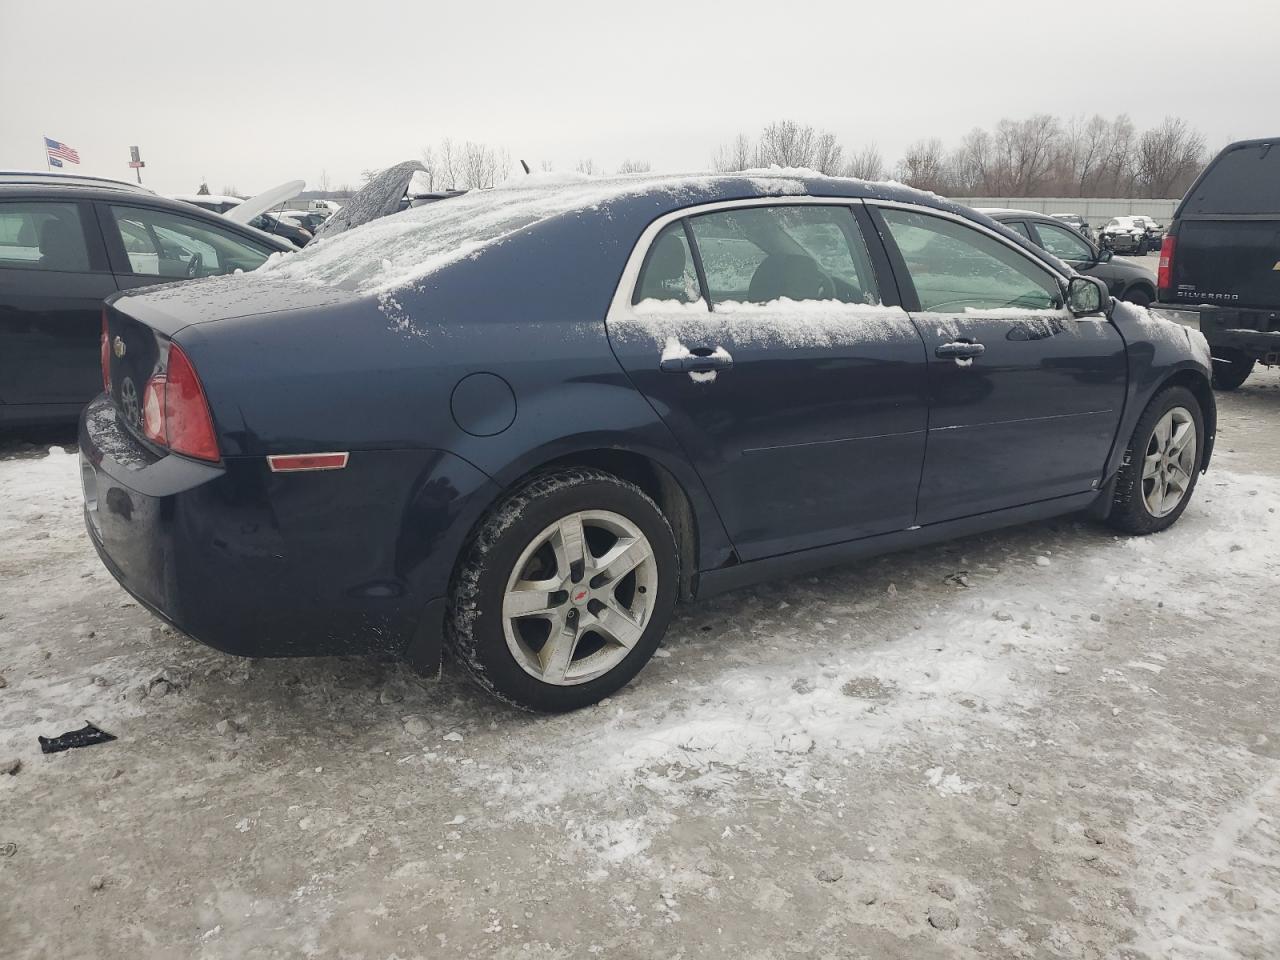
{"x":651,"y":476}
{"x":1141,"y":285}
{"x":1200,"y":386}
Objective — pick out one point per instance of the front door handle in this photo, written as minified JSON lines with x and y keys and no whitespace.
{"x":694,"y":363}
{"x":959,"y":350}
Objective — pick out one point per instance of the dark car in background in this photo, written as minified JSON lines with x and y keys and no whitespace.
{"x":1125,"y":281}
{"x":310,"y":220}
{"x":281,"y":223}
{"x":527,"y":420}
{"x":65,"y":245}
{"x":1221,"y":258}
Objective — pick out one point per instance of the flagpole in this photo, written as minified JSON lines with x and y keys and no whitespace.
{"x":44,"y":142}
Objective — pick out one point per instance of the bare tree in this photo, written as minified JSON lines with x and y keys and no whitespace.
{"x":972,"y":164}
{"x":738,"y":154}
{"x":924,"y":166}
{"x":634,"y":166}
{"x":1024,"y":153}
{"x":449,"y":165}
{"x":827,"y":154}
{"x":587,"y":166}
{"x":786,"y":143}
{"x":866,"y":164}
{"x":1168,"y":158}
{"x":429,"y":161}
{"x":479,"y":165}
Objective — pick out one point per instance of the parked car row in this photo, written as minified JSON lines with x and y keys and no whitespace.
{"x":416,"y":433}
{"x":1124,"y":281}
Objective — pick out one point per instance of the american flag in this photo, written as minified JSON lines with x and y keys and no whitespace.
{"x":60,"y":151}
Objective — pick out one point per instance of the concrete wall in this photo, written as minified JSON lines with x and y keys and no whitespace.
{"x":1095,"y":210}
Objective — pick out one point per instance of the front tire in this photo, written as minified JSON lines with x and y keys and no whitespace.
{"x":1161,"y":464}
{"x":1231,"y":368}
{"x":564,"y":591}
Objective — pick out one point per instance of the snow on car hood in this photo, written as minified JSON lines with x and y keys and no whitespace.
{"x":402,"y":249}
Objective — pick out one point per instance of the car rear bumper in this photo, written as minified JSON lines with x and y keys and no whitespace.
{"x":1255,"y":332}
{"x":271,"y":565}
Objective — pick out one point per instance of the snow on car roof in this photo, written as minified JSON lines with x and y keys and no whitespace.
{"x":402,"y":249}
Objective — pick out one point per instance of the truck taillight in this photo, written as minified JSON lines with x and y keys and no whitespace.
{"x":1164,"y":278}
{"x":104,"y":355}
{"x":175,"y":413}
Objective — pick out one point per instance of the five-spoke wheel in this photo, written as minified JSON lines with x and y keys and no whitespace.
{"x":579,"y":596}
{"x":1161,"y":463}
{"x":1170,"y":462}
{"x":565,"y":590}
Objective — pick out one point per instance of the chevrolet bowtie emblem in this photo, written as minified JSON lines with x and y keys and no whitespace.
{"x":118,"y":347}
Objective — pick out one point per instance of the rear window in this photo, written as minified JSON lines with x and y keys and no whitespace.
{"x":42,"y":236}
{"x":1241,"y":181}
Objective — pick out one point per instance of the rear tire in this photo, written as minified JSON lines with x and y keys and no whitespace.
{"x":1160,"y":461}
{"x":591,"y":628}
{"x":1139,"y":297}
{"x":1231,"y":368}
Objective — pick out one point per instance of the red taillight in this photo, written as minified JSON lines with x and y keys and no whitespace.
{"x":175,"y":412}
{"x":104,"y":356}
{"x":1164,"y":278}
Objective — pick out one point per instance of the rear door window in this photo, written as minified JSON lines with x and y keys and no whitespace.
{"x":42,"y":236}
{"x":158,"y":243}
{"x":792,"y":252}
{"x":1063,"y":244}
{"x":956,"y":268}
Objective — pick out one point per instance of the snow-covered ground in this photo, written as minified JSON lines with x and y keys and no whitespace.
{"x":1046,"y":742}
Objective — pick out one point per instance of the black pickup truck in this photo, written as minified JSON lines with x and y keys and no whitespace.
{"x":1221,"y":257}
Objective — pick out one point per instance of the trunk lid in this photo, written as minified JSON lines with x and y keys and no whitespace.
{"x":140,"y":325}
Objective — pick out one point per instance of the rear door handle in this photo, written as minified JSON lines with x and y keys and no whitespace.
{"x":720,"y":360}
{"x":959,"y":350}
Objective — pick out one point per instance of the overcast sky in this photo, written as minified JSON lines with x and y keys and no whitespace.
{"x":251,"y":94}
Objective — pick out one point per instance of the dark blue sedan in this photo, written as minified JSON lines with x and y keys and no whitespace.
{"x":524,"y":422}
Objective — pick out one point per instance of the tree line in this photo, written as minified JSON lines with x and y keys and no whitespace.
{"x":1039,"y":156}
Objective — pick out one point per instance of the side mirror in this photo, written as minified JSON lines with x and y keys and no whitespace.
{"x":1105,"y":255}
{"x":1088,"y":295}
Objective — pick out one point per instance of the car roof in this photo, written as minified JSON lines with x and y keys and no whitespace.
{"x":65,"y":191}
{"x":48,"y":178}
{"x":402,"y":249}
{"x":996,"y":213}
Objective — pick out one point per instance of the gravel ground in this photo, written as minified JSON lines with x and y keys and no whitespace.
{"x":1046,"y":742}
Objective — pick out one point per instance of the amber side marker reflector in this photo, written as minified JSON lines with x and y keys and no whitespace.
{"x":303,"y":462}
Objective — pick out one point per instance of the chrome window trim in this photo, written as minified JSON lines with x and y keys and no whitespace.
{"x":620,"y":307}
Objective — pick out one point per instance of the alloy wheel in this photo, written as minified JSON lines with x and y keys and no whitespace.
{"x":579,"y":597}
{"x":1169,"y":462}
